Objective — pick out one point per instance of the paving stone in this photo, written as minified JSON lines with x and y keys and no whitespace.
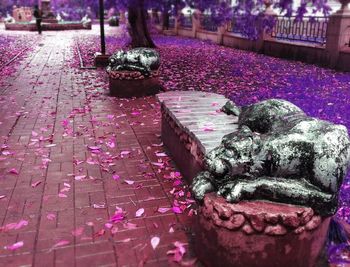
{"x":63,"y":188}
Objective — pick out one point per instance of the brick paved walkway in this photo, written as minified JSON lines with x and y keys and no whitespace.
{"x":69,"y":156}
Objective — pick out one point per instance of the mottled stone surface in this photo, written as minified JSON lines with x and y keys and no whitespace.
{"x":258,"y":234}
{"x":143,"y":60}
{"x":259,"y":216}
{"x":278,"y":154}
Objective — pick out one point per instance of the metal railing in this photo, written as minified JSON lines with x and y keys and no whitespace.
{"x":309,"y":29}
{"x":208,"y":24}
{"x":186,"y":22}
{"x":231,"y":27}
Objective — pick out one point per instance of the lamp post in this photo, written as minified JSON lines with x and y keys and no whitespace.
{"x":101,"y":59}
{"x":102,"y":27}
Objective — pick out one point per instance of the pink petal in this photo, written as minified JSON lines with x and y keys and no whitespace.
{"x":208,"y":129}
{"x":180,"y":246}
{"x":64,"y":123}
{"x":124,"y":153}
{"x":2,"y":196}
{"x":155,"y":242}
{"x":79,"y":177}
{"x":51,"y":216}
{"x":140,"y":212}
{"x":129,"y":182}
{"x":13,"y":171}
{"x":108,"y":225}
{"x":21,"y":223}
{"x":116,"y":177}
{"x":61,"y":243}
{"x":64,"y":189}
{"x":157,"y":145}
{"x":158,"y":164}
{"x":34,"y":133}
{"x":36,"y":184}
{"x":177,"y":183}
{"x":100,"y":233}
{"x":15,"y":246}
{"x":177,"y":210}
{"x":51,"y":145}
{"x":118,"y":217}
{"x":99,"y":206}
{"x":62,"y":195}
{"x":114,"y":230}
{"x":161,"y":154}
{"x":110,"y":144}
{"x":163,"y":210}
{"x":94,"y":147}
{"x":79,"y":231}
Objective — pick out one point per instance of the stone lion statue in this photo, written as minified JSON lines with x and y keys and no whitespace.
{"x":278,"y":154}
{"x":144,"y":60}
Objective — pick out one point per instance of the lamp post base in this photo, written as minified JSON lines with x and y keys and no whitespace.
{"x":101,"y":60}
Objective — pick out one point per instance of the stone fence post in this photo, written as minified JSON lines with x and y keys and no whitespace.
{"x":220,"y":33}
{"x":196,"y":22}
{"x":338,"y":33}
{"x":177,"y":24}
{"x":269,"y":12}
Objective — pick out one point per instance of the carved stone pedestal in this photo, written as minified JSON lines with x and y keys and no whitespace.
{"x":258,"y":233}
{"x":127,"y":84}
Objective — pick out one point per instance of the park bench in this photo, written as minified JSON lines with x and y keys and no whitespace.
{"x":192,"y":125}
{"x":250,"y":233}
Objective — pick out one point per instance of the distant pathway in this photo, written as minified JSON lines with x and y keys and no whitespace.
{"x":69,"y":155}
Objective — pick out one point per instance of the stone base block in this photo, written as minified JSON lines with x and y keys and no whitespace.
{"x":134,"y":88}
{"x":101,"y":60}
{"x":177,"y":143}
{"x":192,"y":125}
{"x":258,"y":234}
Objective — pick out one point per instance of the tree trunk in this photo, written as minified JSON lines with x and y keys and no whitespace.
{"x":139,"y":33}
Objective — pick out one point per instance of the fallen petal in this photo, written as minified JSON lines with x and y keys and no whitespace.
{"x":140,"y":212}
{"x":36,"y":184}
{"x":13,"y":171}
{"x":129,"y":182}
{"x":15,"y":246}
{"x":61,"y":243}
{"x":163,"y":210}
{"x":51,"y":216}
{"x":155,"y":242}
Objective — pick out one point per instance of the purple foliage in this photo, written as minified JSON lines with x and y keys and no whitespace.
{"x":251,"y":21}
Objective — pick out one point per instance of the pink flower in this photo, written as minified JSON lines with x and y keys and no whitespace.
{"x":15,"y":246}
{"x":140,"y":212}
{"x":155,"y":242}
